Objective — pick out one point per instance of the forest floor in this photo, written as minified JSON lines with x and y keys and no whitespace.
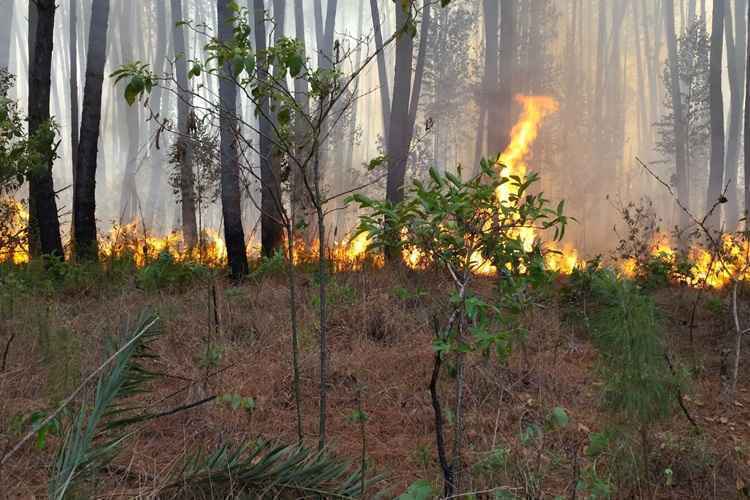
{"x":381,"y":345}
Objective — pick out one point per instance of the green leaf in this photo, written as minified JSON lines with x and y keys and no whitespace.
{"x":419,"y":490}
{"x":195,"y":71}
{"x":295,"y":62}
{"x":134,"y":89}
{"x":559,"y":417}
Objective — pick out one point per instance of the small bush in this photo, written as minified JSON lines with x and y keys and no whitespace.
{"x":167,"y":273}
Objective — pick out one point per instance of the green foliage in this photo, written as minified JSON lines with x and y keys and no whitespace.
{"x":419,"y":490}
{"x":451,"y":220}
{"x":95,"y":435}
{"x":238,"y":402}
{"x":140,"y":80}
{"x":270,"y":266}
{"x":266,"y":471}
{"x":338,"y":294}
{"x":460,"y":226}
{"x":167,"y":273}
{"x":593,"y":486}
{"x":20,"y":153}
{"x":639,"y":387}
{"x":38,"y":422}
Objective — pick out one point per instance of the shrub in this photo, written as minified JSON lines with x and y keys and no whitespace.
{"x":167,"y":273}
{"x":461,"y":228}
{"x":640,"y":389}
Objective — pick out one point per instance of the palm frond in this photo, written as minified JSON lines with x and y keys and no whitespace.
{"x":268,"y":470}
{"x":90,"y":441}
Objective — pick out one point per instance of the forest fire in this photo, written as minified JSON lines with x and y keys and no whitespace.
{"x":13,"y":231}
{"x":702,"y":267}
{"x":697,"y":266}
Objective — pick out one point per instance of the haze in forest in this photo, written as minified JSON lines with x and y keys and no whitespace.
{"x":604,"y":62}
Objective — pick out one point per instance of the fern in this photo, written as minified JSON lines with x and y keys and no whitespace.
{"x":94,"y":436}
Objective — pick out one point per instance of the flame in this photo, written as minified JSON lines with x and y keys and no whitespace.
{"x":131,"y":240}
{"x":704,"y":265}
{"x":351,"y":254}
{"x":15,"y":228}
{"x":562,"y":260}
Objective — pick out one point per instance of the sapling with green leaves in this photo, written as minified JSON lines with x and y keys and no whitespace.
{"x":461,"y":227}
{"x":298,"y":132}
{"x":640,"y":388}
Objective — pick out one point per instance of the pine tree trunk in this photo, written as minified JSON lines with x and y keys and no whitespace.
{"x":184,"y":130}
{"x":73,"y":86}
{"x":270,"y":226}
{"x":385,"y":93}
{"x":231,"y":199}
{"x":736,"y":64}
{"x":507,"y":69}
{"x":716,"y":174}
{"x":683,"y":189}
{"x":43,"y":219}
{"x":398,"y":140}
{"x":6,"y":27}
{"x":747,"y":121}
{"x":84,"y":195}
{"x":302,"y":213}
{"x":158,"y":159}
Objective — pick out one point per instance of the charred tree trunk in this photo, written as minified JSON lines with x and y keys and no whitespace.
{"x":683,"y":189}
{"x":270,"y":204}
{"x":43,"y":219}
{"x":231,"y":200}
{"x":747,"y":120}
{"x":716,"y":174}
{"x":184,"y":142}
{"x":84,"y":195}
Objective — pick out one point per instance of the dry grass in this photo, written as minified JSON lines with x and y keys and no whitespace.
{"x":380,"y":340}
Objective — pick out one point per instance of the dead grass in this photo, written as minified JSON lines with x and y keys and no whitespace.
{"x":380,"y":340}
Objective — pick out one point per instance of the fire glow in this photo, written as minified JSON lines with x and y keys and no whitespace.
{"x":351,"y":254}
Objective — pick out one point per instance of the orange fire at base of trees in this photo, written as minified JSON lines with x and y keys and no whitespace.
{"x":131,"y":241}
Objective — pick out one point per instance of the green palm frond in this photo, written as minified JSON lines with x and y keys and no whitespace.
{"x":92,"y":439}
{"x":268,"y":470}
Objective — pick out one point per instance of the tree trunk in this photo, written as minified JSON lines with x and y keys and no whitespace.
{"x":683,"y":190}
{"x":270,"y":204}
{"x":84,"y":195}
{"x":184,"y":130}
{"x":73,"y":86}
{"x":507,"y":63}
{"x":43,"y":220}
{"x":642,"y":106}
{"x":158,"y":159}
{"x":716,"y":175}
{"x":385,"y":93}
{"x":6,"y":27}
{"x":398,"y":140}
{"x":747,"y":122}
{"x":491,"y":98}
{"x":416,"y":89}
{"x":231,"y":199}
{"x":736,"y":63}
{"x":302,"y":210}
